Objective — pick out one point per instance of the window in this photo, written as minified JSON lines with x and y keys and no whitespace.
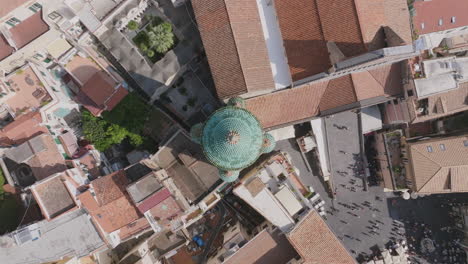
{"x":442,"y":147}
{"x":429,"y":149}
{"x":54,"y":15}
{"x":422,"y":25}
{"x":465,"y":143}
{"x":453,"y":19}
{"x":441,"y":22}
{"x":13,"y":21}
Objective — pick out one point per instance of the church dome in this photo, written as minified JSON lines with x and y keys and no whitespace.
{"x":269,"y":143}
{"x":232,"y":138}
{"x":228,"y":176}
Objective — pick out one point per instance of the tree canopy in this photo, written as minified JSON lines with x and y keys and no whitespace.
{"x":132,"y":25}
{"x":161,"y":37}
{"x":125,"y":121}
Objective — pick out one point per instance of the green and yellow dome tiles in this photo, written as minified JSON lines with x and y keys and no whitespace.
{"x":232,"y":139}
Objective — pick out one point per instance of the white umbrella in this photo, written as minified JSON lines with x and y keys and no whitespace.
{"x":406,"y":195}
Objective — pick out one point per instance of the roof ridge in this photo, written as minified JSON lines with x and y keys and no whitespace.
{"x":236,"y":43}
{"x":360,"y":24}
{"x":370,"y":73}
{"x":354,"y":86}
{"x":426,"y":183}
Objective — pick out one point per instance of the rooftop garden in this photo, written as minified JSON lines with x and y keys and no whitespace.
{"x":154,"y":37}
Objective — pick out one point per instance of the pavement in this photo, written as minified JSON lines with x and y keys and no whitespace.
{"x":352,"y":226}
{"x":428,"y":217}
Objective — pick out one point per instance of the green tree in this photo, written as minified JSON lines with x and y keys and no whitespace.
{"x":161,"y":38}
{"x":132,"y":25}
{"x":143,"y":47}
{"x":150,"y":53}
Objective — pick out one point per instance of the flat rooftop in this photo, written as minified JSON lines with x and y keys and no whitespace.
{"x":82,"y":68}
{"x":184,"y":162}
{"x":72,"y":234}
{"x":30,"y":93}
{"x":143,"y":188}
{"x":34,"y":160}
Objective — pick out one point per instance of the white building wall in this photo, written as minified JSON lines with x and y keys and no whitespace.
{"x":274,"y":42}
{"x":319,"y":133}
{"x":267,"y":205}
{"x":434,"y":39}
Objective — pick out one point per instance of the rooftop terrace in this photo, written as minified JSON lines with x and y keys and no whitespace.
{"x":30,"y":93}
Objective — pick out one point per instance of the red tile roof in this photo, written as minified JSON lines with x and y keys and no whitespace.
{"x":22,"y":129}
{"x":306,"y":101}
{"x":115,"y":99}
{"x":28,"y":30}
{"x":307,"y":26}
{"x":153,"y":200}
{"x":429,"y":13}
{"x":5,"y":48}
{"x":111,"y":206}
{"x":316,"y":243}
{"x":264,"y":248}
{"x":233,"y":40}
{"x":112,"y":216}
{"x":355,"y":26}
{"x":99,"y":88}
{"x":110,"y":187}
{"x":288,"y":105}
{"x":99,"y":93}
{"x":166,"y":210}
{"x":340,"y":91}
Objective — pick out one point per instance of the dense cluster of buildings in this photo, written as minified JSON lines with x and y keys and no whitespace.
{"x":219,"y":189}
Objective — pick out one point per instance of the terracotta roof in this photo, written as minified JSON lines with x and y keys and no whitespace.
{"x":28,"y":30}
{"x":166,"y":210}
{"x":153,"y":200}
{"x":111,"y":206}
{"x":10,"y":5}
{"x":82,"y":69}
{"x":438,"y":164}
{"x":22,"y":129}
{"x":316,"y":243}
{"x":99,"y":93}
{"x":235,"y":46}
{"x":5,"y":48}
{"x":99,"y":87}
{"x":340,"y":91}
{"x":288,"y":105}
{"x":430,"y":12}
{"x":53,"y":197}
{"x":110,"y":187}
{"x":306,"y":101}
{"x":307,"y":25}
{"x":377,"y":16}
{"x":116,"y":97}
{"x":265,"y":248}
{"x":47,"y":162}
{"x":453,"y":101}
{"x":113,"y":215}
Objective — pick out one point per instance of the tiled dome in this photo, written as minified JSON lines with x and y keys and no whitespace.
{"x":196,"y":132}
{"x":237,"y":102}
{"x":269,"y":143}
{"x":228,"y":176}
{"x":232,"y":138}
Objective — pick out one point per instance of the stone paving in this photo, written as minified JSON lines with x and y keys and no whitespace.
{"x":352,"y":226}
